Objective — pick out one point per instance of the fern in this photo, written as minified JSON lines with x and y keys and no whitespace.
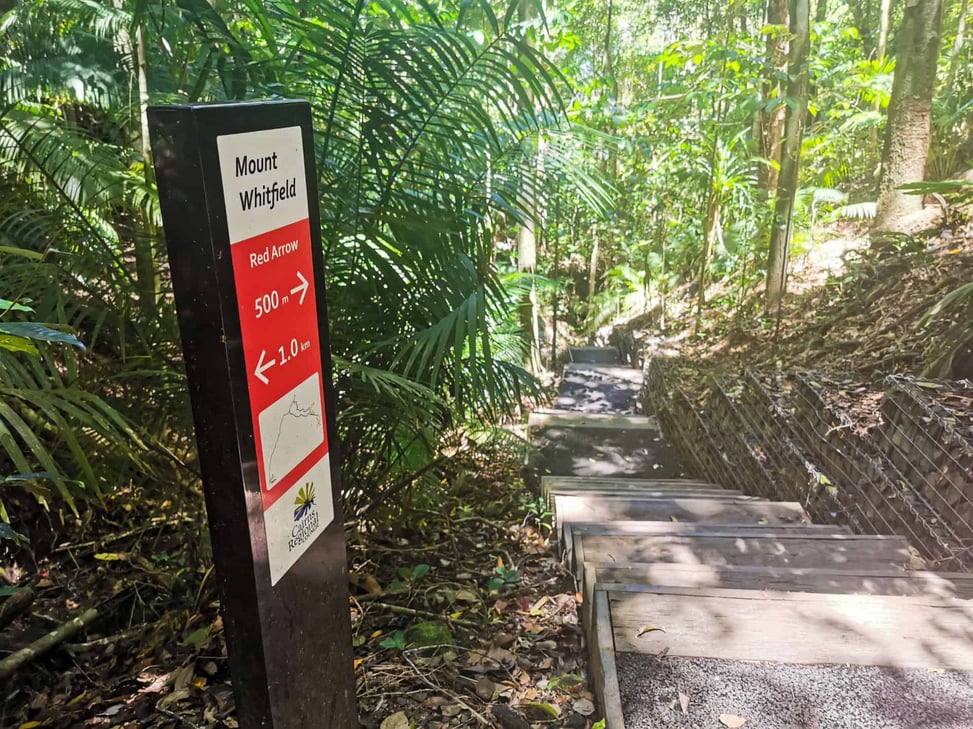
{"x":856,"y":211}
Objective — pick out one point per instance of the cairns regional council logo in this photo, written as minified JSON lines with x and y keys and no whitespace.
{"x":305,"y":517}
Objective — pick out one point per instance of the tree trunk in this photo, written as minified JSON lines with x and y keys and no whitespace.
{"x":711,"y":224}
{"x":955,"y":55}
{"x":907,"y":131}
{"x":862,"y":25}
{"x":527,"y":263}
{"x":711,"y":232}
{"x":593,"y":271}
{"x":714,"y":199}
{"x":885,"y":21}
{"x":772,"y":120}
{"x":145,"y":249}
{"x":527,"y":243}
{"x":609,"y":66}
{"x":783,"y":224}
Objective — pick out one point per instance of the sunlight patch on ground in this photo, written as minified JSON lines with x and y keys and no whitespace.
{"x":825,"y":257}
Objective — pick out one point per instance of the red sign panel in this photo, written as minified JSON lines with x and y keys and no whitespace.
{"x":278,"y":320}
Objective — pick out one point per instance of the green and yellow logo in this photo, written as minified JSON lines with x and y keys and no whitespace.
{"x":304,"y":501}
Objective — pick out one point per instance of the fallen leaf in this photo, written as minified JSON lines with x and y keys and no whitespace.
{"x":451,"y":710}
{"x":197,"y":639}
{"x":182,"y":677}
{"x":648,"y":629}
{"x":684,"y":702}
{"x":540,"y":603}
{"x":112,"y":710}
{"x":371,"y":584}
{"x":485,"y":688}
{"x":585,"y":707}
{"x":174,"y":697}
{"x":541,"y":709}
{"x":466,"y":596}
{"x":732,"y":720}
{"x":398,"y":720}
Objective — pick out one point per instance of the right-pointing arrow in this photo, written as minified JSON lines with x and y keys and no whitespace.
{"x":263,"y":366}
{"x":302,"y":287}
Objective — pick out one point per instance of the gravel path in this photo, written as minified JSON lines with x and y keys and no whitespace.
{"x":782,"y":696}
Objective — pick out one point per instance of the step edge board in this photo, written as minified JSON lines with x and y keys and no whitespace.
{"x":603,"y":646}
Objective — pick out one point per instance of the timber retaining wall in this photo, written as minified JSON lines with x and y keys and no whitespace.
{"x":898,"y":459}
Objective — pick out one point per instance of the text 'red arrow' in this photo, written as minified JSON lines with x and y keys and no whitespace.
{"x":263,"y":367}
{"x":302,"y":287}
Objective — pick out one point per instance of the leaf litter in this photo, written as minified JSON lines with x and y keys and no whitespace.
{"x":461,"y":615}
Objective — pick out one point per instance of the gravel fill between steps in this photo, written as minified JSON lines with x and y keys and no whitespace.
{"x":787,"y":696}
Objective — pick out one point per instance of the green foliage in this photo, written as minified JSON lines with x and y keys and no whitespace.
{"x":539,"y":511}
{"x":426,"y":119}
{"x":396,"y":641}
{"x":439,"y":128}
{"x":959,"y":192}
{"x":7,"y":532}
{"x":957,"y":336}
{"x":505,"y":577}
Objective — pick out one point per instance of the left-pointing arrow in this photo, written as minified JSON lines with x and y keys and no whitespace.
{"x":263,"y":366}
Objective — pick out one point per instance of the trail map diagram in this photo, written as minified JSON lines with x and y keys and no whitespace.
{"x":291,"y":428}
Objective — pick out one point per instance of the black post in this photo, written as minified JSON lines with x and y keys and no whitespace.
{"x":237,"y":186}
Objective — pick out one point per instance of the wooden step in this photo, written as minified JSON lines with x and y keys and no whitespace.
{"x":603,"y":452}
{"x":795,"y":627}
{"x":569,"y":509}
{"x":623,"y":493}
{"x":573,"y":530}
{"x":772,"y":548}
{"x":629,"y":374}
{"x":550,"y":418}
{"x":637,"y":577}
{"x":624,"y":527}
{"x":595,"y":355}
{"x":653,"y":484}
{"x":717,"y":496}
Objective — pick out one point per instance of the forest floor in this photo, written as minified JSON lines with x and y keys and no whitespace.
{"x":850,"y":309}
{"x":461,"y":616}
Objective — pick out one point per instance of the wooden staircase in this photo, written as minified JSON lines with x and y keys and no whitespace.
{"x":704,"y":607}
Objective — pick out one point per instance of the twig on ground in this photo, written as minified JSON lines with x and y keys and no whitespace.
{"x":452,"y":696}
{"x":40,"y":646}
{"x":176,"y":717}
{"x":372,"y":596}
{"x":106,"y":641}
{"x":425,"y":614}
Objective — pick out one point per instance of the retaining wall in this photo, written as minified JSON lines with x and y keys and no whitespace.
{"x":892,"y":460}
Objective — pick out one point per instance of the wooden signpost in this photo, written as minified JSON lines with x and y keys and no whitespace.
{"x":240,"y":211}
